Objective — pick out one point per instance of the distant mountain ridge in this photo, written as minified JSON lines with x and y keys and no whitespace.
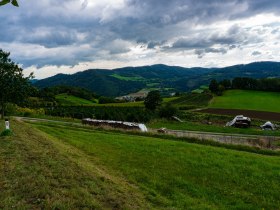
{"x":126,"y":80}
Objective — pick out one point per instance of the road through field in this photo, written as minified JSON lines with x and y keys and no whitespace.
{"x":225,"y":138}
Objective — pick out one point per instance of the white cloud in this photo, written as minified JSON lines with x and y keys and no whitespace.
{"x":50,"y":36}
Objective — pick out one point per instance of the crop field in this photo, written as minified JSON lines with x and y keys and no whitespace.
{"x":136,"y":103}
{"x":69,"y":100}
{"x":193,"y":99}
{"x":248,"y":100}
{"x":66,"y":167}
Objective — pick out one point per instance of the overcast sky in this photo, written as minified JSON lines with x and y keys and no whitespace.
{"x":66,"y":36}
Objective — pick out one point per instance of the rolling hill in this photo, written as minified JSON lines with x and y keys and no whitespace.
{"x":167,"y":78}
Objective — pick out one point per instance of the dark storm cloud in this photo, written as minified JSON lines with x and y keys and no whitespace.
{"x":202,"y":52}
{"x":256,"y":53}
{"x":111,"y":28}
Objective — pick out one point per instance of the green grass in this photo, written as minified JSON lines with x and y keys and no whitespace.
{"x":201,"y":89}
{"x":70,"y":100}
{"x":40,"y":172}
{"x":193,"y":99}
{"x":138,"y":78}
{"x":248,"y":100}
{"x":179,"y":175}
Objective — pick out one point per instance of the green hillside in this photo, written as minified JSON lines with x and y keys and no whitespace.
{"x":248,"y":100}
{"x":70,"y":100}
{"x":63,"y":167}
{"x":127,"y":80}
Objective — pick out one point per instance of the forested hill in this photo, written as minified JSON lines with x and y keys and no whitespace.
{"x":170,"y":78}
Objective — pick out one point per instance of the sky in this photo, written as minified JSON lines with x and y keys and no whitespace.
{"x":48,"y":37}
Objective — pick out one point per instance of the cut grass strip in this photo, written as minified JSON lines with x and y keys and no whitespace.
{"x":39,"y":172}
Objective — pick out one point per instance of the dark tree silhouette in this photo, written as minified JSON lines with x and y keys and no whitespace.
{"x":153,"y":100}
{"x":13,"y":2}
{"x":213,"y":86}
{"x":14,"y":87}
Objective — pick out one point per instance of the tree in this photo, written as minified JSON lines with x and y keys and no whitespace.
{"x":153,"y":100}
{"x":167,"y":111}
{"x":14,"y":87}
{"x":13,"y":2}
{"x":226,"y":83}
{"x":213,"y":86}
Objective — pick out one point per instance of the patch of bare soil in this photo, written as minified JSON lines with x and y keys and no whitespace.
{"x":272,"y":116}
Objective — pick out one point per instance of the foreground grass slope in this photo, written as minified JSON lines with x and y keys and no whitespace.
{"x":39,"y":172}
{"x":179,"y":175}
{"x":248,"y":100}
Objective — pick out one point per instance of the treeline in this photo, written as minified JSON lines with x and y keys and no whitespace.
{"x":49,"y":93}
{"x":131,"y":114}
{"x":245,"y":83}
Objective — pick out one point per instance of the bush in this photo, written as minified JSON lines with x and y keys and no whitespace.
{"x":10,"y":109}
{"x":26,"y":112}
{"x":107,"y":100}
{"x":132,"y":114}
{"x":167,"y":111}
{"x":6,"y":132}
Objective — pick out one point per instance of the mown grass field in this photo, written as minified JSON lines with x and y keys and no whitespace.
{"x":248,"y":100}
{"x":65,"y":167}
{"x":41,"y":172}
{"x":70,"y":100}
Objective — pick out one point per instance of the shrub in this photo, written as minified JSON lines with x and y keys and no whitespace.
{"x":6,"y":132}
{"x":26,"y":112}
{"x":167,"y":111}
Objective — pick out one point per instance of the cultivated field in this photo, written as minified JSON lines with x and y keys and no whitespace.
{"x":69,"y":167}
{"x":248,"y":100}
{"x":70,"y":100}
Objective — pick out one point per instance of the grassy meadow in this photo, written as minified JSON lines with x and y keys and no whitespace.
{"x":81,"y":168}
{"x":70,"y":100}
{"x":248,"y":100}
{"x":41,"y":172}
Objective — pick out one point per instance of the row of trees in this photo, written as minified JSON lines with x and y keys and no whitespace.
{"x":49,"y":93}
{"x":14,"y":86}
{"x":245,"y":83}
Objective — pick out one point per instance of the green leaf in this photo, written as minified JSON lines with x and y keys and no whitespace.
{"x":14,"y":2}
{"x":3,"y":2}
